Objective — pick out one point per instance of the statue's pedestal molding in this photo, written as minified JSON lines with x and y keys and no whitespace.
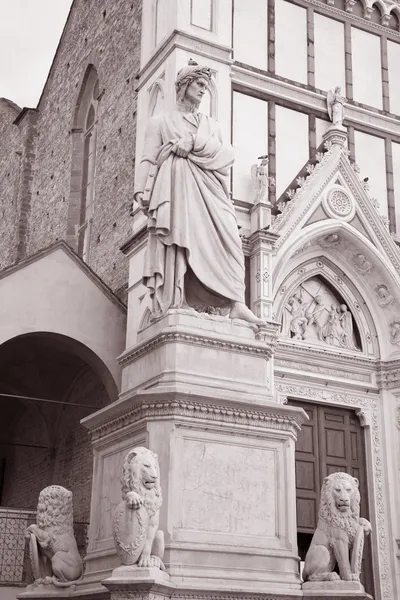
{"x":325,"y":590}
{"x":197,"y":392}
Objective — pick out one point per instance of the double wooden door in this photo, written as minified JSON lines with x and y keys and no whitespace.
{"x":332,"y":440}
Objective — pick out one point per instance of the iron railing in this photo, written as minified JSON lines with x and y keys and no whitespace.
{"x":15,"y":568}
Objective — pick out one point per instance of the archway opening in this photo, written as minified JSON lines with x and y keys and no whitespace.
{"x":48,"y":383}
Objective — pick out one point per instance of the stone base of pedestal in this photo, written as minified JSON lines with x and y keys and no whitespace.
{"x":343,"y":590}
{"x":47,"y":592}
{"x":134,"y":582}
{"x":196,"y":391}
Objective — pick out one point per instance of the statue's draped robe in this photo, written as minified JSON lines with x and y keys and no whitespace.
{"x":192,"y":225}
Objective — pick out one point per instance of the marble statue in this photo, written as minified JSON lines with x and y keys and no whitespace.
{"x":138,"y":540}
{"x":340,"y":531}
{"x":335,"y":103}
{"x":261,"y":180}
{"x":53,"y":550}
{"x":194,"y":253}
{"x":294,"y":320}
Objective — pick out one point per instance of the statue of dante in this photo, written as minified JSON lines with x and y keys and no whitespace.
{"x":194,"y":254}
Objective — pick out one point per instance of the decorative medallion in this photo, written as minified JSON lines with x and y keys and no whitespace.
{"x":338,"y":204}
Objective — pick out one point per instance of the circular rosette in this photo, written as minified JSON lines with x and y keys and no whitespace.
{"x":130,"y":529}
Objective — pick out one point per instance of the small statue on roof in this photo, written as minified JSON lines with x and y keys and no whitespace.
{"x":335,"y":103}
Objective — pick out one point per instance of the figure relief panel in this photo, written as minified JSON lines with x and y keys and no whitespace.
{"x":318,"y":314}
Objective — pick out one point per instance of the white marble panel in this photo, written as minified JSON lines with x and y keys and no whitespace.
{"x":329,"y":53}
{"x":394,"y":76}
{"x":251,"y":16}
{"x":229,"y":488}
{"x":250,"y":140}
{"x":291,"y":146}
{"x":110,"y":493}
{"x":320,"y":127}
{"x":291,"y":41}
{"x":370,"y":157}
{"x":201,"y":13}
{"x":366,"y":63}
{"x":396,"y":182}
{"x":161,"y":20}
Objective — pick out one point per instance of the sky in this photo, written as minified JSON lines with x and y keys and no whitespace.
{"x":29,"y":34}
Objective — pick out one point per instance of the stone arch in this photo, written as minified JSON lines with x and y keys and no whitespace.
{"x":314,"y":245}
{"x":394,"y":22}
{"x":52,"y":382}
{"x":84,"y":145}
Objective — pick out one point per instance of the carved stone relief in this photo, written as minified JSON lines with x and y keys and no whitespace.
{"x":361,"y":263}
{"x":394,"y":332}
{"x":314,"y":313}
{"x":385,"y":298}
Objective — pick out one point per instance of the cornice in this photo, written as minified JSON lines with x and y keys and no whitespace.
{"x":245,"y":78}
{"x":136,"y":240}
{"x":184,"y":41}
{"x":388,"y":374}
{"x":270,"y":417}
{"x":263,"y":346}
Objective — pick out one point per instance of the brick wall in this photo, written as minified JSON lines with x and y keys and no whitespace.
{"x":9,"y":181}
{"x":107,"y":34}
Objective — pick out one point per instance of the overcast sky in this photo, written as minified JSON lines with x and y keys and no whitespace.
{"x":29,"y":34}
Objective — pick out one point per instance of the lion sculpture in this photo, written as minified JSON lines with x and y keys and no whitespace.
{"x":138,"y":540}
{"x":340,"y":531}
{"x":53,"y":550}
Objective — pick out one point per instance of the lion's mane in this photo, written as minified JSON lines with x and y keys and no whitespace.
{"x":330,"y":516}
{"x":131,"y":480}
{"x":54,"y":509}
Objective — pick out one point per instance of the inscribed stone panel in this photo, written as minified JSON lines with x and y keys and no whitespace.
{"x":366,"y":64}
{"x":329,"y":53}
{"x":250,"y":140}
{"x":370,"y":157}
{"x":250,"y":18}
{"x":291,"y":146}
{"x":291,"y":41}
{"x":110,"y":494}
{"x":229,"y":488}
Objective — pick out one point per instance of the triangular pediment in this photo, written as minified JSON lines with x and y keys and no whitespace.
{"x":329,"y":218}
{"x":332,"y":193}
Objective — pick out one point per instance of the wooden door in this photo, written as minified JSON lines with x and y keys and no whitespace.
{"x":332,"y":440}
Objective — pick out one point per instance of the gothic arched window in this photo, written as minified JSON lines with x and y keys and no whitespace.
{"x":82,"y":196}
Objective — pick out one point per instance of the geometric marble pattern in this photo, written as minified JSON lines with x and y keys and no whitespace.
{"x":14,"y":560}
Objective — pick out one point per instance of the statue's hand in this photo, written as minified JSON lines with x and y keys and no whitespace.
{"x":183,"y":146}
{"x":144,"y":206}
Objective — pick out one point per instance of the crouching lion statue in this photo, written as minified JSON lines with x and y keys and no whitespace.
{"x":52,"y":546}
{"x":339,"y":532}
{"x":138,"y":540}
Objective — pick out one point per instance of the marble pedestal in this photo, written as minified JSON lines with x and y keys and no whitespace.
{"x":197,"y":391}
{"x":330,"y":590}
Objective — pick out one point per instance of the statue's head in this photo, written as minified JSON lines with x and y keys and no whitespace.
{"x":192,"y":82}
